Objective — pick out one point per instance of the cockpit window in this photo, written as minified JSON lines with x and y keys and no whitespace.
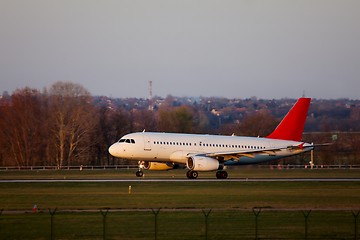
{"x":127,"y":141}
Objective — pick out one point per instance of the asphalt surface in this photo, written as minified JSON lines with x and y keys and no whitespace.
{"x":184,"y":180}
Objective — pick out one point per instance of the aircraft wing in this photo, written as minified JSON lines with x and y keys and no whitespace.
{"x":251,"y":153}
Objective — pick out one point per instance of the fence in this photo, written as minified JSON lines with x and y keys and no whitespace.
{"x":117,"y":167}
{"x":105,"y":223}
{"x":34,"y":168}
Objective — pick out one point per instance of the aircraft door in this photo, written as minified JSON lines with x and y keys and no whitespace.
{"x":147,"y":142}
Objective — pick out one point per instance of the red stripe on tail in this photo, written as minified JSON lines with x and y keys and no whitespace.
{"x":292,"y":125}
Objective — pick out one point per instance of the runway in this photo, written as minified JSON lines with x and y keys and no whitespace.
{"x":182,"y":180}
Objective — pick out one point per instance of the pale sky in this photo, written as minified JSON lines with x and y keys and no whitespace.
{"x":235,"y":49}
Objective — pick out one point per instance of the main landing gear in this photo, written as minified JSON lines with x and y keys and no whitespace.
{"x":194,"y":174}
{"x":221,"y":174}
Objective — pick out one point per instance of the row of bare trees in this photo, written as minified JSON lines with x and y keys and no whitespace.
{"x":51,"y":128}
{"x":62,"y":126}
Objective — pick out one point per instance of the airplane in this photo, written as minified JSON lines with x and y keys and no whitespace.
{"x":201,"y":152}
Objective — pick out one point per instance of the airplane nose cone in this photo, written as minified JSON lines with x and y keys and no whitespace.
{"x":113,"y":149}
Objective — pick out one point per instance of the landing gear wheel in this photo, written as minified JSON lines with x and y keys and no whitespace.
{"x":192,"y":174}
{"x":139,"y":173}
{"x":221,"y":175}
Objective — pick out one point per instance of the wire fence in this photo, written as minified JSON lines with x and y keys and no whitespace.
{"x":118,"y":167}
{"x":106,"y":223}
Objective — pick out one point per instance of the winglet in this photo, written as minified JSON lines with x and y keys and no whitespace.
{"x":292,"y":125}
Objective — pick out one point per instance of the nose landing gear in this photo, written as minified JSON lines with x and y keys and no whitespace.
{"x":139,"y":173}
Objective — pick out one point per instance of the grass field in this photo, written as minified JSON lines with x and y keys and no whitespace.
{"x":78,"y":216}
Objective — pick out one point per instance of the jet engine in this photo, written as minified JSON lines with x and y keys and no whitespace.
{"x":157,"y":166}
{"x":201,"y":163}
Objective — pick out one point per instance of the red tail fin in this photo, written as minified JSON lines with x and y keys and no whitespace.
{"x":292,"y":125}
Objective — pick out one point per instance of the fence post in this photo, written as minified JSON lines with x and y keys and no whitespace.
{"x":156,"y":212}
{"x":52,"y":213}
{"x":104,"y":212}
{"x":356,"y":215}
{"x":256,"y":212}
{"x":206,"y":214}
{"x":1,"y":210}
{"x":306,"y":216}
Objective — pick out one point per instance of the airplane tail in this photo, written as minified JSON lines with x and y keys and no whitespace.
{"x":291,"y":126}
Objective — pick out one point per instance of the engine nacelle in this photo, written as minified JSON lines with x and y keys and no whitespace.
{"x":157,"y":166}
{"x":200,"y":163}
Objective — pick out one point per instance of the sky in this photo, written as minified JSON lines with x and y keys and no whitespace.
{"x":211,"y":48}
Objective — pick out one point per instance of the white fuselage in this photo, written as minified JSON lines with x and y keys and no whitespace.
{"x":173,"y":147}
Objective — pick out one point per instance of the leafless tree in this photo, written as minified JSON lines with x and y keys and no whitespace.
{"x":260,"y":123}
{"x":72,"y":122}
{"x":143,"y":120}
{"x":113,"y":123}
{"x":178,"y":119}
{"x":21,"y":127}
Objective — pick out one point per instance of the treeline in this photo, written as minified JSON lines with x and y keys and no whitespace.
{"x":65,"y":126}
{"x":53,"y":127}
